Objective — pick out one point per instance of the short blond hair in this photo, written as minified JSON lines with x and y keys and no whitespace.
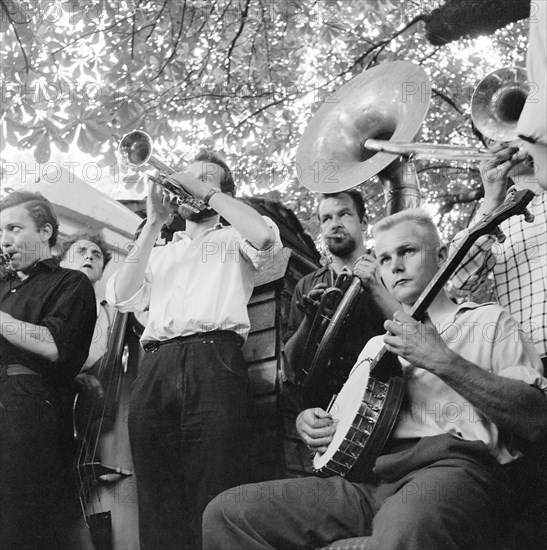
{"x":415,"y":215}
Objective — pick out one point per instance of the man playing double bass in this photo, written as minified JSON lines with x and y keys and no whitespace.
{"x":343,"y":222}
{"x":474,"y":393}
{"x":86,"y":252}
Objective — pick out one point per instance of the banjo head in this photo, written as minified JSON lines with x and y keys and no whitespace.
{"x":346,"y":409}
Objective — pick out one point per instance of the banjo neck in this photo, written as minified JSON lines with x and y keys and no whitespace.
{"x":369,"y":402}
{"x":383,"y":365}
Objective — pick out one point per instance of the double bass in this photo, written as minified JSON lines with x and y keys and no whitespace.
{"x":103,"y":466}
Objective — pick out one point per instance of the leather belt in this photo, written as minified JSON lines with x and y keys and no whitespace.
{"x":198,"y":338}
{"x":16,"y":368}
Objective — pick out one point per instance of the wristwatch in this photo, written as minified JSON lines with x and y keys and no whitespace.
{"x":211,"y":192}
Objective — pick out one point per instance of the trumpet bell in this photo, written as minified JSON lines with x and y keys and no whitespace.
{"x":497,"y":103}
{"x":387,"y":102}
{"x":135,"y":148}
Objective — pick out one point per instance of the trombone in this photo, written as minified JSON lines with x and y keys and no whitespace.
{"x":135,"y":150}
{"x":496,"y":105}
{"x":429,"y":151}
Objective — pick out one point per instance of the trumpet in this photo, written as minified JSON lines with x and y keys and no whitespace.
{"x":135,"y":150}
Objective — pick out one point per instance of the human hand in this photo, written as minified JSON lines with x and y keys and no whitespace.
{"x":90,"y":386}
{"x":419,"y":343}
{"x":367,"y":269}
{"x":316,"y":428}
{"x":310,"y":301}
{"x":158,"y":205}
{"x":195,"y":187}
{"x":494,"y":172}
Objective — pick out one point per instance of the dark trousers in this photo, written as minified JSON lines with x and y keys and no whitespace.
{"x":188,"y":427}
{"x":440,"y":494}
{"x":29,"y":462}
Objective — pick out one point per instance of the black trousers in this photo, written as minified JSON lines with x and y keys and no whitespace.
{"x":188,"y":427}
{"x":30,"y":471}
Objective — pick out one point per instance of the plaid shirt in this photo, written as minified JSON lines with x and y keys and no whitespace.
{"x":519,"y":267}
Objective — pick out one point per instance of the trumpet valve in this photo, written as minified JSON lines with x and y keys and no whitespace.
{"x":188,"y":203}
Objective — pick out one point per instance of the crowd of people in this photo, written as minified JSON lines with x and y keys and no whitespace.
{"x":473,"y":374}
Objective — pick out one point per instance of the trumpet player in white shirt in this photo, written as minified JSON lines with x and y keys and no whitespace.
{"x":188,"y":412}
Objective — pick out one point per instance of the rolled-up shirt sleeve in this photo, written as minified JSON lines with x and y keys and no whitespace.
{"x":260,"y":258}
{"x":515,"y":356}
{"x":138,"y":302}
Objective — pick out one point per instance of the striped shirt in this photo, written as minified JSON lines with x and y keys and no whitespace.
{"x":519,"y":268}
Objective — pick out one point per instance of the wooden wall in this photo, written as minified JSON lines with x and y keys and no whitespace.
{"x":276,"y":449}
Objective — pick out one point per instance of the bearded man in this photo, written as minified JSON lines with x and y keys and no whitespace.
{"x":188,"y":411}
{"x":343,"y":222}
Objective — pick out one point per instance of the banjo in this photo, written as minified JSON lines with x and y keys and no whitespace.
{"x":367,"y":407}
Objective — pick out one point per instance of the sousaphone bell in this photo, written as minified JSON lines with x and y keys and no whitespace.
{"x":387,"y":102}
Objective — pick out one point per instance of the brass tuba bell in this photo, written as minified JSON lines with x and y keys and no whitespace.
{"x":387,"y":102}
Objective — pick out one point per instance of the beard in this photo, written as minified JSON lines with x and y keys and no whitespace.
{"x":342,"y":246}
{"x":187,"y":213}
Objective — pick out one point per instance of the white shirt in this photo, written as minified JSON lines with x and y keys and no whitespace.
{"x":198,"y":285}
{"x":489,"y":337}
{"x":533,"y":119}
{"x":99,"y":341}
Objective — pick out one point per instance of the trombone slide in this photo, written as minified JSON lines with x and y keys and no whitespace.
{"x":429,"y":151}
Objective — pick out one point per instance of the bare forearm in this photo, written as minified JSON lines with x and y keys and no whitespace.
{"x":387,"y":304}
{"x":510,"y":404}
{"x":28,"y":337}
{"x":247,"y":221}
{"x":131,"y":275}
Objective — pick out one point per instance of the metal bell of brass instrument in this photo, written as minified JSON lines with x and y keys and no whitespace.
{"x":496,"y":105}
{"x":135,"y":150}
{"x":373,"y":118}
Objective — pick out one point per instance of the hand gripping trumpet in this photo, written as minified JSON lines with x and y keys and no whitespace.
{"x":135,"y":150}
{"x":4,"y":258}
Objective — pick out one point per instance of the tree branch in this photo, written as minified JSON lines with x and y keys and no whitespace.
{"x":447,"y":202}
{"x":12,"y":24}
{"x":448,"y":100}
{"x":262,"y":109}
{"x":157,"y":19}
{"x":380,"y":44}
{"x":91,"y":33}
{"x":175,"y":46}
{"x":244,"y":14}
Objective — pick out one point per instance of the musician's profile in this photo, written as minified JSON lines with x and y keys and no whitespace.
{"x":47,"y":316}
{"x":343,"y":221}
{"x":188,"y":423}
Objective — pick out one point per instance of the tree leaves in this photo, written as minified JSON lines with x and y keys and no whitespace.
{"x":241,"y":76}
